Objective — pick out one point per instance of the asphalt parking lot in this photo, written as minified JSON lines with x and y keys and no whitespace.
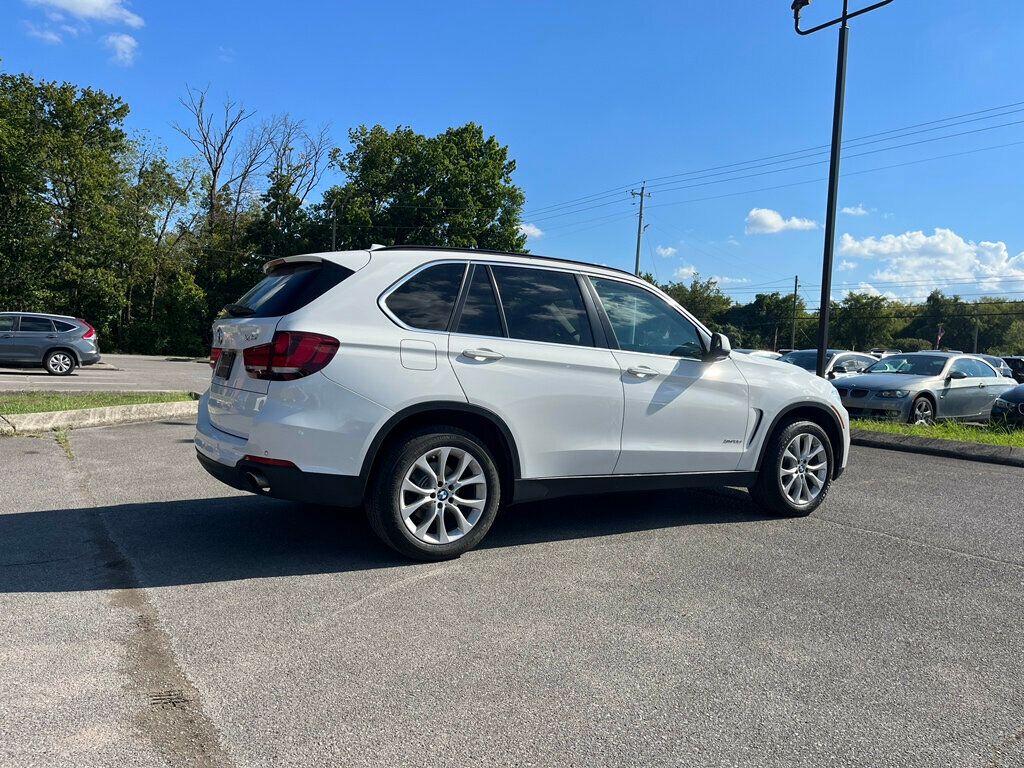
{"x":116,"y":373}
{"x":151,"y":617}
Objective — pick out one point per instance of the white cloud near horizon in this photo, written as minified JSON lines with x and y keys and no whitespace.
{"x":725,"y":280}
{"x":109,"y":11}
{"x":765,"y":221}
{"x":123,"y":46}
{"x":666,"y":251}
{"x":532,"y":231}
{"x":855,"y":210}
{"x":943,"y":258}
{"x":845,"y":265}
{"x":685,"y":272}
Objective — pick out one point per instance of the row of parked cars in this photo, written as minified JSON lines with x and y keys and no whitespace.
{"x":922,"y":387}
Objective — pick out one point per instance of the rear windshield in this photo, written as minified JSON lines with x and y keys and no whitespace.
{"x":288,"y":288}
{"x":806,"y":360}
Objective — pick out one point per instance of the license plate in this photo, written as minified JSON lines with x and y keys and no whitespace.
{"x":225,"y":364}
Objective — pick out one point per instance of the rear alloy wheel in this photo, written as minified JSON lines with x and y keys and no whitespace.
{"x":796,"y":471}
{"x":59,"y":363}
{"x":435,"y":494}
{"x":922,"y":411}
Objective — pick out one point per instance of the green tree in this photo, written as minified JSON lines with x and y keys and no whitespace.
{"x":703,"y":298}
{"x":453,"y":189}
{"x":861,"y":321}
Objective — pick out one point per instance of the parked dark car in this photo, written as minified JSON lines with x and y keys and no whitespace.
{"x":1009,"y":407}
{"x":999,"y":364}
{"x":1016,"y":363}
{"x":838,"y":362}
{"x":57,"y":343}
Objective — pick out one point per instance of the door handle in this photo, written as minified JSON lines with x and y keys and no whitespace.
{"x":642,"y":372}
{"x":482,"y":354}
{"x":51,"y":335}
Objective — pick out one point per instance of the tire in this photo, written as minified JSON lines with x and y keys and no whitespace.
{"x":59,"y":362}
{"x":796,"y":446}
{"x":431,"y":528}
{"x":922,"y":411}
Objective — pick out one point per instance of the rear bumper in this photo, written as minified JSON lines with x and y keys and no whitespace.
{"x":288,"y":483}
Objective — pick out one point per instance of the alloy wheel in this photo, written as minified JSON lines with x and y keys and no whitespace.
{"x":803,"y":470}
{"x":443,"y":495}
{"x":60,"y":362}
{"x":923,"y":411}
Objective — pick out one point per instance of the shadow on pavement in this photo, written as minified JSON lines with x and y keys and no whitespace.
{"x":171,"y":543}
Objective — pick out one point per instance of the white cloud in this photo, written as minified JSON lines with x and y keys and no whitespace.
{"x":765,"y":221}
{"x":124,"y":48}
{"x":871,"y":290}
{"x":845,"y":265}
{"x":666,"y":251}
{"x":941,"y":259}
{"x":685,"y":272}
{"x":225,"y":54}
{"x":723,"y":280}
{"x":46,"y":34}
{"x":531,"y":230}
{"x":110,"y":11}
{"x":855,"y":210}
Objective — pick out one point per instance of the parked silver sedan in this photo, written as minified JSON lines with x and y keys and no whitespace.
{"x":923,"y":387}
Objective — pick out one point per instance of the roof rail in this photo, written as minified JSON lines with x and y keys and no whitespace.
{"x":492,"y":252}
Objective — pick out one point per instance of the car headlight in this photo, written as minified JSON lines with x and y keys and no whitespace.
{"x":894,"y":393}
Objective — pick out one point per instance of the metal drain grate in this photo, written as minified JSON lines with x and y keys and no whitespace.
{"x":172,"y":698}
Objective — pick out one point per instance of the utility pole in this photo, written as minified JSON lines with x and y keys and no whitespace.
{"x":796,"y":289}
{"x":977,"y":325}
{"x":640,"y":223}
{"x":334,"y":225}
{"x":833,"y":171}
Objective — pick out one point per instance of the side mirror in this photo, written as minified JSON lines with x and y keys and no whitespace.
{"x":841,"y":368}
{"x":720,"y":348}
{"x":955,"y":375}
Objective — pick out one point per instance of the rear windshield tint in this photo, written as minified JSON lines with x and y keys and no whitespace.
{"x":288,"y":288}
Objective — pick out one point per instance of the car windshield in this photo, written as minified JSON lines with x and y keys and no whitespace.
{"x":912,"y":365}
{"x":806,"y":359}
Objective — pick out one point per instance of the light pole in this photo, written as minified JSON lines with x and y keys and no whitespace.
{"x":833,"y":170}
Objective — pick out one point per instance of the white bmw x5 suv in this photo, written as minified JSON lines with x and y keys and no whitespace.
{"x":434,"y":386}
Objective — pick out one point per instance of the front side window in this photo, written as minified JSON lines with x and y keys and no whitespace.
{"x":543,"y":305}
{"x":480,"y":315}
{"x":644,"y":323}
{"x":40,"y":324}
{"x":6,"y":323}
{"x":426,"y":300}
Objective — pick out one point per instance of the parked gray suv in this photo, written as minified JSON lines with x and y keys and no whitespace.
{"x":56,"y":342}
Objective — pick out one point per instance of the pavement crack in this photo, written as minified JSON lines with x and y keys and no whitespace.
{"x":925,"y":544}
{"x":167,"y":709}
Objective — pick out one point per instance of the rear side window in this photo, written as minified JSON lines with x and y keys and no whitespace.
{"x":36,"y":324}
{"x":6,"y":323}
{"x":63,"y":327}
{"x":426,"y":299}
{"x":542,"y":305}
{"x":480,"y":313}
{"x":288,"y":288}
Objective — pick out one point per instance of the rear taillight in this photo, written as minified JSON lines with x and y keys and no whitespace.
{"x":291,"y":355}
{"x":90,"y":332}
{"x":215,"y":354}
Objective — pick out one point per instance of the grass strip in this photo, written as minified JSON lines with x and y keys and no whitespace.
{"x":988,"y":434}
{"x":40,"y":402}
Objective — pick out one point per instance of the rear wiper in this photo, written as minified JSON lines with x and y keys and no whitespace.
{"x":239,"y":310}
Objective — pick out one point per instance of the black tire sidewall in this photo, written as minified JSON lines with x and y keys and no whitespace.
{"x":383,"y":507}
{"x":50,"y":355}
{"x":769,"y":489}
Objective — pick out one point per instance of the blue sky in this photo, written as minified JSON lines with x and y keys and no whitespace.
{"x":594,"y":96}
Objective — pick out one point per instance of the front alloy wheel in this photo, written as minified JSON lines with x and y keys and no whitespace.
{"x":922,"y":411}
{"x":796,"y":470}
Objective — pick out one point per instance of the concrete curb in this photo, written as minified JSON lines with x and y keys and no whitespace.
{"x":949,"y":449}
{"x":31,"y":423}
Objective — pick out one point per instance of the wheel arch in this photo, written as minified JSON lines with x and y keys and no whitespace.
{"x":479,"y":421}
{"x":817,"y":413}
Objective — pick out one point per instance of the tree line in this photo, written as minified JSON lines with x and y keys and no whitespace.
{"x":860,"y":321}
{"x":102,"y":224}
